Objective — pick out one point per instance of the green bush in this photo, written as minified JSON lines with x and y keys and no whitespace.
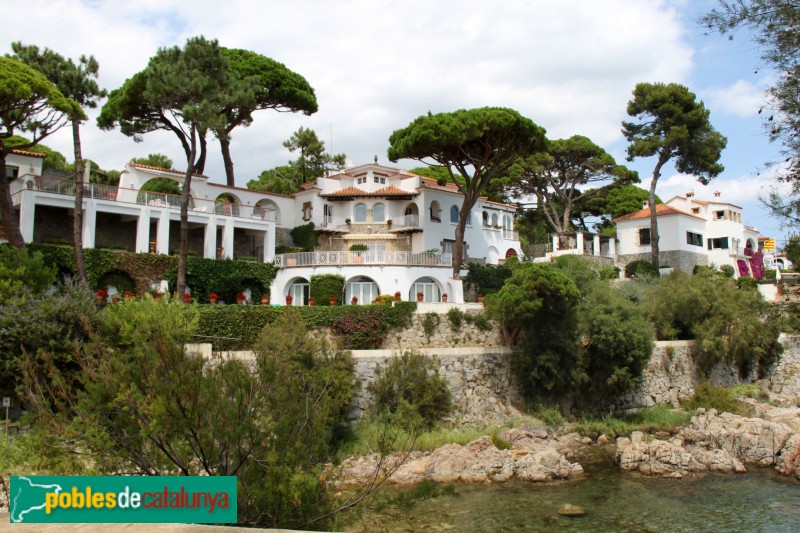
{"x":640,"y":268}
{"x":487,"y":279}
{"x":455,"y":316}
{"x":305,"y":237}
{"x":579,"y":269}
{"x":677,"y":304}
{"x":479,"y":320}
{"x":21,"y":272}
{"x":617,"y":342}
{"x":429,"y":323}
{"x":747,"y":283}
{"x":708,"y":396}
{"x":770,"y":276}
{"x":162,"y":185}
{"x":609,"y":272}
{"x":728,"y":271}
{"x":323,"y":286}
{"x":411,"y":385}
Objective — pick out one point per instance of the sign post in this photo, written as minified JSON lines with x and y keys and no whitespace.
{"x":7,"y":405}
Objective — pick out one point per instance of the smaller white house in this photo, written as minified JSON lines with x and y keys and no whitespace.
{"x":691,"y":232}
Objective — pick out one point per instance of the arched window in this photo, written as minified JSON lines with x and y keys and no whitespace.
{"x":360,"y":213}
{"x":299,"y":291}
{"x":361,"y":287}
{"x":454,"y":215}
{"x":379,"y":213}
{"x":435,"y":212}
{"x":494,"y":220}
{"x":507,"y":222}
{"x":429,"y":289}
{"x":485,"y":218}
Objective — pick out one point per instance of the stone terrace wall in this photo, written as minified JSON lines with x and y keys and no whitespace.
{"x":480,"y":380}
{"x":442,"y":335}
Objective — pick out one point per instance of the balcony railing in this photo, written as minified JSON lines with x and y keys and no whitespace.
{"x":99,"y":191}
{"x":340,"y":258}
{"x":405,"y":222}
{"x":510,"y":235}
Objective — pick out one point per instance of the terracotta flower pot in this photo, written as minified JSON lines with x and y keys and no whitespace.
{"x":213,"y":301}
{"x":289,"y":299}
{"x":444,"y":297}
{"x":187,"y":298}
{"x":115,"y":299}
{"x":420,"y":296}
{"x":480,"y":298}
{"x":312,"y":301}
{"x":264,"y":299}
{"x":332,"y":300}
{"x":397,"y":296}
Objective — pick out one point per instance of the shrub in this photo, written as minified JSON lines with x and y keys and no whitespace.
{"x":410,"y":384}
{"x":323,"y":286}
{"x":162,"y":185}
{"x":479,"y":320}
{"x":708,"y":396}
{"x":579,"y":269}
{"x":617,"y":341}
{"x":747,"y":283}
{"x":727,"y":271}
{"x":677,"y":304}
{"x":770,"y":276}
{"x":609,"y":272}
{"x":305,"y":237}
{"x":384,"y":299}
{"x":640,"y":268}
{"x":455,"y":316}
{"x":429,"y":323}
{"x":21,"y":271}
{"x":487,"y":279}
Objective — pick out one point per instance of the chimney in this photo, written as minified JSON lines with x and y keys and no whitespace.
{"x":689,"y":196}
{"x":645,"y":205}
{"x":716,"y":194}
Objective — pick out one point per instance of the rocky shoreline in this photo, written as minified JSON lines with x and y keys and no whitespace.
{"x":712,"y":442}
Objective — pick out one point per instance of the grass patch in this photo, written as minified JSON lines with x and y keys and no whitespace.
{"x":650,"y":420}
{"x":550,"y":416}
{"x":406,"y":499}
{"x":750,"y":390}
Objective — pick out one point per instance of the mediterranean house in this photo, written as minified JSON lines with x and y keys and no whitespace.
{"x":402,"y":225}
{"x":692,"y":232}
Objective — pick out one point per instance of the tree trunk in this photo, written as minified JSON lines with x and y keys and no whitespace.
{"x":77,"y":221}
{"x":7,"y":212}
{"x":225,"y":146}
{"x":458,"y":252}
{"x":654,"y":251}
{"x":183,"y":254}
{"x":200,"y":164}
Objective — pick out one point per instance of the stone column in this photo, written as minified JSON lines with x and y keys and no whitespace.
{"x":269,"y":243}
{"x":612,"y":247}
{"x":555,"y":242}
{"x":227,"y":239}
{"x":579,"y":245}
{"x":210,"y":239}
{"x":596,"y":244}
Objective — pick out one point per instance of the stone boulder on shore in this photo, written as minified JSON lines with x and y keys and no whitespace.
{"x":535,"y":455}
{"x":716,"y":442}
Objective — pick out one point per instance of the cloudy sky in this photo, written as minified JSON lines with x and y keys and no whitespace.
{"x":569,"y":65}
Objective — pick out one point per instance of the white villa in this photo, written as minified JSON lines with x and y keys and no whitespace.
{"x":692,"y":232}
{"x":406,"y":223}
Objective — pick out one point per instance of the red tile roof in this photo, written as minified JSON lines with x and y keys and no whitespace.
{"x":349,"y":192}
{"x":150,"y":167}
{"x":662,"y":210}
{"x":431,"y":183}
{"x":29,"y":154}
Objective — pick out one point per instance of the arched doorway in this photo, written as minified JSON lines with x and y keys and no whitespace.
{"x":362,"y":287}
{"x":431,"y":292}
{"x":299,"y":290}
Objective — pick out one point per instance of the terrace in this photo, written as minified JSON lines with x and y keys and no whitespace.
{"x":378,"y":258}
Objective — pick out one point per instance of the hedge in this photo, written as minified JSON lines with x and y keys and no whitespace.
{"x":361,"y":327}
{"x":225,"y":277}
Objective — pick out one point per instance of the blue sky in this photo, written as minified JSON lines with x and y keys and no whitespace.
{"x":569,"y":65}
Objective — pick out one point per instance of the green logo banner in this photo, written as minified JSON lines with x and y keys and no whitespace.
{"x":116,"y":499}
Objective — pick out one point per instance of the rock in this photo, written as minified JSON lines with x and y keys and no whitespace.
{"x":586,"y":440}
{"x":602,"y":439}
{"x":571,"y":510}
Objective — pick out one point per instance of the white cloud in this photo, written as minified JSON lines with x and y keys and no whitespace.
{"x":570,"y":66}
{"x":741,"y":99}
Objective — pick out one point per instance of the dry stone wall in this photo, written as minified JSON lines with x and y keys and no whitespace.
{"x":440,"y":333}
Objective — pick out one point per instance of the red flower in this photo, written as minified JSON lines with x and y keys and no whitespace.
{"x":213,"y":295}
{"x":102,"y":293}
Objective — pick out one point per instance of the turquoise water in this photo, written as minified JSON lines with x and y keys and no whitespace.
{"x":759,"y":500}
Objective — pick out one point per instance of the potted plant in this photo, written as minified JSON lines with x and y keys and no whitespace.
{"x":187,"y":297}
{"x":389,"y":223}
{"x":289,"y":299}
{"x":101,"y":295}
{"x":480,"y":298}
{"x":213,"y":297}
{"x":312,"y":301}
{"x":359,"y":250}
{"x":128,"y":295}
{"x":332,"y":300}
{"x":420,"y":296}
{"x":116,"y":299}
{"x":354,"y":301}
{"x":444,"y":297}
{"x":347,"y":221}
{"x":265,"y":298}
{"x":241,"y":298}
{"x":397,"y":296}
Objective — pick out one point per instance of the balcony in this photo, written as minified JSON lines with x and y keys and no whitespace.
{"x":98,"y":191}
{"x":405,"y":223}
{"x":344,"y":258}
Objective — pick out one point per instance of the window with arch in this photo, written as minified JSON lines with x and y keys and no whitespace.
{"x":429,"y":289}
{"x":494,"y":220}
{"x":360,"y":213}
{"x":506,"y":222}
{"x":485,"y":218}
{"x":379,"y":213}
{"x":299,"y":292}
{"x":361,"y":287}
{"x":454,"y":215}
{"x":435,"y":212}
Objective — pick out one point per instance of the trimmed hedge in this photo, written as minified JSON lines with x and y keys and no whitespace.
{"x":361,"y":327}
{"x":323,"y":286}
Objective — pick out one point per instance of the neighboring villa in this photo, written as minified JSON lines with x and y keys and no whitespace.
{"x":404,"y":225}
{"x":692,"y":232}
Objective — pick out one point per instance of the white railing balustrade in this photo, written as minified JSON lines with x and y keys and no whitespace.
{"x":340,"y":258}
{"x":510,"y":235}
